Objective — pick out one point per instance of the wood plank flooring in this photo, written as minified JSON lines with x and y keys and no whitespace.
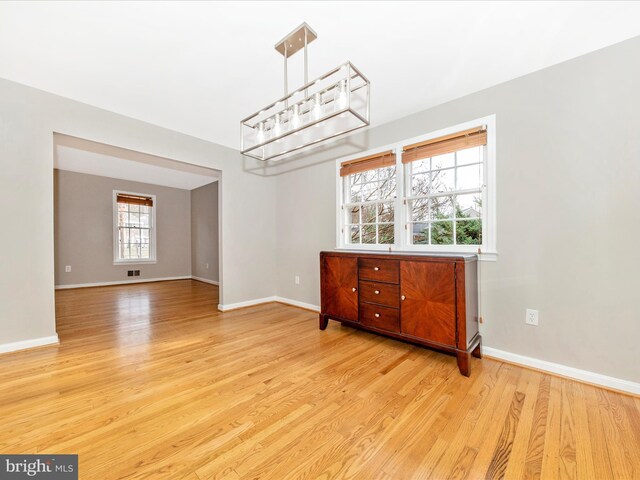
{"x":152,"y":382}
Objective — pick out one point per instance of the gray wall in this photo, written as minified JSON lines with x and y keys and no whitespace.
{"x":568,"y":177}
{"x":204,"y":232}
{"x":28,"y":119}
{"x":84,"y":233}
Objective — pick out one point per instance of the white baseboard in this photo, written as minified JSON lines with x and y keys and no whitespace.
{"x":24,"y":344}
{"x":258,"y":301}
{"x":296,"y":303}
{"x":565,"y":371}
{"x":205,"y":280}
{"x":248,"y":303}
{"x":121,"y":282}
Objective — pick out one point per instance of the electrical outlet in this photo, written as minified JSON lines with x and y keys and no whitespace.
{"x":531,"y":317}
{"x":136,"y":273}
{"x":297,"y":279}
{"x":67,"y":268}
{"x":130,"y":273}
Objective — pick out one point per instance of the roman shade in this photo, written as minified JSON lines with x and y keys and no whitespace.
{"x":134,"y":199}
{"x":473,"y":137}
{"x":378,"y":160}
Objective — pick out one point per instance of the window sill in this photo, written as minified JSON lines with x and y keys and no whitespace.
{"x":134,"y":262}
{"x":484,"y":256}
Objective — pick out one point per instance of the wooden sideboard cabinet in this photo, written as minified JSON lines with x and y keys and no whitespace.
{"x":428,"y":299}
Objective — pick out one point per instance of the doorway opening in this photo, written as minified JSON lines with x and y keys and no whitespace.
{"x":124,"y":219}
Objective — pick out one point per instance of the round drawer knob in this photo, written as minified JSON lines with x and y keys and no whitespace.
{"x":402,"y":297}
{"x":377,"y":315}
{"x":377,"y":292}
{"x":376,"y":268}
{"x":354,"y":289}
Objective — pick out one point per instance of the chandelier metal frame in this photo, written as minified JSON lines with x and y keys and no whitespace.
{"x":337,"y":102}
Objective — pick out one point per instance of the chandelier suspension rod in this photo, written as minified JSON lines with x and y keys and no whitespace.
{"x":286,"y":71}
{"x":286,"y":87}
{"x":306,"y":65}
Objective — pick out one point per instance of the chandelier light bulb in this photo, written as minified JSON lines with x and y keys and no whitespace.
{"x":316,"y":110}
{"x":277,"y":126}
{"x":260,"y":136}
{"x":340,"y":96}
{"x":295,"y":117}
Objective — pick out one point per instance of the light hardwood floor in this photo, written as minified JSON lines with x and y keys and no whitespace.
{"x":150,"y":381}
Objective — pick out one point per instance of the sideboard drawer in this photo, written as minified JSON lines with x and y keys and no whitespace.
{"x":376,"y":316}
{"x":387,"y":271}
{"x":380,"y":293}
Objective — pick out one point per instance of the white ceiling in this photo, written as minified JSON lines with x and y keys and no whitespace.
{"x":200,"y":67}
{"x":84,"y":156}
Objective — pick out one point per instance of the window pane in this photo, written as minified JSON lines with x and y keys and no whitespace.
{"x":470,"y":155}
{"x":442,"y":207}
{"x":469,"y":177}
{"x":144,"y":220}
{"x":369,"y":213}
{"x":420,"y":233}
{"x":144,"y":251}
{"x":134,"y":235}
{"x":134,"y":219}
{"x":145,"y":209}
{"x":369,"y":234}
{"x":385,"y":212}
{"x":369,"y":176}
{"x":420,"y":184}
{"x":443,"y":161}
{"x":122,"y":207}
{"x":469,"y":206}
{"x":385,"y":234}
{"x":353,"y":214}
{"x":124,"y":235}
{"x":469,"y":232}
{"x":124,"y":249}
{"x":144,"y":236}
{"x":355,"y":233}
{"x":442,"y":233}
{"x":123,"y":218}
{"x":442,"y":180}
{"x":134,"y":208}
{"x":387,"y":189}
{"x":369,"y":192}
{"x":355,"y":195}
{"x":419,"y":166}
{"x":419,"y":209}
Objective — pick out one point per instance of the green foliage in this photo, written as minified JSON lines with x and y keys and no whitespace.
{"x":468,"y":232}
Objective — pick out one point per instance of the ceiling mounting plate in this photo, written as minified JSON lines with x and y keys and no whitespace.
{"x":294,"y":42}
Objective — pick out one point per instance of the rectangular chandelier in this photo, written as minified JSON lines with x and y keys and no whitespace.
{"x":327,"y":107}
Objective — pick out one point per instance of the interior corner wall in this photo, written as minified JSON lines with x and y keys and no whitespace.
{"x":204,"y":232}
{"x":28,"y":120}
{"x":84,"y":230}
{"x":568,"y":170}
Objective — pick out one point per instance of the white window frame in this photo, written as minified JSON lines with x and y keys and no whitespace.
{"x":401,"y":218}
{"x":152,"y":231}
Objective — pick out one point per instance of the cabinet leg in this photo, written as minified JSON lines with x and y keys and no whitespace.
{"x":463,"y":362}
{"x":477,"y":352}
{"x":323,"y":321}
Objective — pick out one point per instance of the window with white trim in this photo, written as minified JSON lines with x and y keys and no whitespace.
{"x":431,"y":193}
{"x":134,"y":227}
{"x":370,"y":192}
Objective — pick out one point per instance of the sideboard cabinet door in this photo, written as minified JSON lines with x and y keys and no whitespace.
{"x":427,"y":308}
{"x":340,"y":287}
